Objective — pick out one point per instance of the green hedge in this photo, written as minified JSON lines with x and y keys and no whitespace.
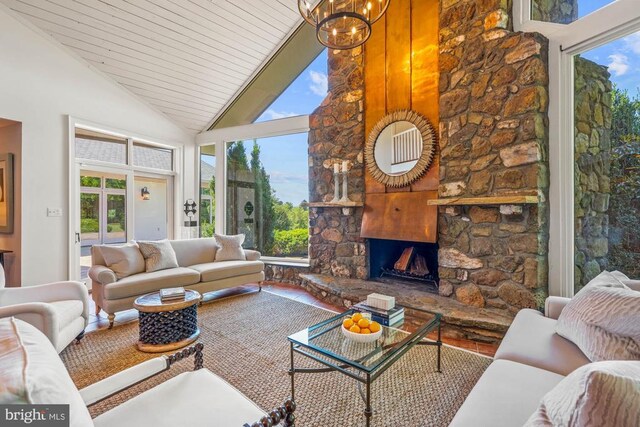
{"x":291,"y":242}
{"x":89,"y":225}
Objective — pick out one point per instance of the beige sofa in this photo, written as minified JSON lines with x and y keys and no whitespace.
{"x":531,"y":360}
{"x":198,"y":270}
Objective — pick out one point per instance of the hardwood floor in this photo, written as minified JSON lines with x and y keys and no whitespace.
{"x":285,"y":290}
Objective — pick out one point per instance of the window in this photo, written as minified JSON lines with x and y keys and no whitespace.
{"x":147,"y":156}
{"x":267,"y":187}
{"x":564,"y":11}
{"x":207,"y":190}
{"x":90,"y":147}
{"x":607,"y":160}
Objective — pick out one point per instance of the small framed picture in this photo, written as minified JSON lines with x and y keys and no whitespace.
{"x":6,"y":193}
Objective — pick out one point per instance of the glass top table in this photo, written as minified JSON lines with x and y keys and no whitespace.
{"x":325,"y":343}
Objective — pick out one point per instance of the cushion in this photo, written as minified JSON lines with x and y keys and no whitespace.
{"x":13,"y":361}
{"x":532,"y":340}
{"x":603,"y":320}
{"x":198,"y":398}
{"x":505,"y":396}
{"x":194,"y":251}
{"x":230,"y":248}
{"x":123,"y":260}
{"x":158,"y":255}
{"x":598,"y":394}
{"x":46,"y":378}
{"x":224,"y":269}
{"x":150,"y":282}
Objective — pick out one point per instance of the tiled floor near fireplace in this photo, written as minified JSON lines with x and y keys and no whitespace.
{"x":288,"y":291}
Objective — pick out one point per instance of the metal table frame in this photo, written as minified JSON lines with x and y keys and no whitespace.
{"x":365,"y":375}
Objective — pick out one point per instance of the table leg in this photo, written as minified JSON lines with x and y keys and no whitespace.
{"x":291,"y":372}
{"x":439,"y":344}
{"x":368,"y":412}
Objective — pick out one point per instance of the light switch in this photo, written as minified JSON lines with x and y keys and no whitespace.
{"x":54,"y":211}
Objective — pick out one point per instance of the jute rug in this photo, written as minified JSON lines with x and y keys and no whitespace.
{"x":245,"y":339}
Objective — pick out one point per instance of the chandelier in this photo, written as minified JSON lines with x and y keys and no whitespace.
{"x":342,"y":24}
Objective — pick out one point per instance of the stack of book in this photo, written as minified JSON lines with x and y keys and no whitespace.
{"x":171,"y":294}
{"x":389,"y":317}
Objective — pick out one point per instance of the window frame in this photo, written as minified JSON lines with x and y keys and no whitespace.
{"x":220,"y":138}
{"x":611,"y":22}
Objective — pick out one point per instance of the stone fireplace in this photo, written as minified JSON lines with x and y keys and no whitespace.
{"x":483,"y":200}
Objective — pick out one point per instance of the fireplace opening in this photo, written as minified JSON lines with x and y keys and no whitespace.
{"x":414,"y":262}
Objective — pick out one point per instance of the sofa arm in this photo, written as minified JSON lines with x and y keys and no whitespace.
{"x":553,"y":306}
{"x":633,"y":284}
{"x":103,"y":275}
{"x":252,"y":255}
{"x":123,"y":380}
{"x":38,"y":314}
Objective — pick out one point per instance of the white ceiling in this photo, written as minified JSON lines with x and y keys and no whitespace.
{"x":188,"y":58}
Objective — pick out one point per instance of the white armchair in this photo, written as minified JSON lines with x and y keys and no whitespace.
{"x":60,"y":310}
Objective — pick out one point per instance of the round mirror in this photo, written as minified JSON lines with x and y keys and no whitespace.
{"x":400,"y":148}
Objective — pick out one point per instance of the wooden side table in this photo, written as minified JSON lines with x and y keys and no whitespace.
{"x":166,"y":326}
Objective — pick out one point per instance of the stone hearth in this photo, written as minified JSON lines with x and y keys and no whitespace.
{"x":460,"y":321}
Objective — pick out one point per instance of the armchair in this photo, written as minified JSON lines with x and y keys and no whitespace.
{"x":60,"y":310}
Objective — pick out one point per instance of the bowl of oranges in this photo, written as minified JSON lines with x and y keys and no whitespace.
{"x":360,"y":329}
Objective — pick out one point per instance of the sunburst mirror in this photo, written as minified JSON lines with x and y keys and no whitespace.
{"x":400,"y":148}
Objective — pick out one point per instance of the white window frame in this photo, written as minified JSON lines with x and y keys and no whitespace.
{"x":611,"y":22}
{"x":128,"y":170}
{"x":220,"y":137}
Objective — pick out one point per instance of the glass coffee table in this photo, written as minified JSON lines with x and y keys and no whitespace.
{"x":364,"y":362}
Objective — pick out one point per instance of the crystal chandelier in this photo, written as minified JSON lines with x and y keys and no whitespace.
{"x":342,"y":24}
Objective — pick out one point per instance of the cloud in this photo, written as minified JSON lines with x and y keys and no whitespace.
{"x":319,"y":83}
{"x":619,"y":64}
{"x":274,"y":115}
{"x":633,"y":42}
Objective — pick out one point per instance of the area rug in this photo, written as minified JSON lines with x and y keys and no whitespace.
{"x":245,"y":342}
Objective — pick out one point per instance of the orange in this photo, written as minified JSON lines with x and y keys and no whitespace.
{"x":374,"y":327}
{"x":347,"y":323}
{"x":356,"y":317}
{"x":363,"y":323}
{"x":365,"y":331}
{"x":355,"y":329}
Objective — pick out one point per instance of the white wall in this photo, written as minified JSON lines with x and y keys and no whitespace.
{"x":41,"y":83}
{"x":150,"y":216}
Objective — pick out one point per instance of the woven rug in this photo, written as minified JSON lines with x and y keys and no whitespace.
{"x":245,"y":342}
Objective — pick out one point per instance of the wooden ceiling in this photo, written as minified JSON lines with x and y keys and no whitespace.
{"x":187,"y":58}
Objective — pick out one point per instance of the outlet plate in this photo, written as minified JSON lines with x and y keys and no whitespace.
{"x":54,"y":211}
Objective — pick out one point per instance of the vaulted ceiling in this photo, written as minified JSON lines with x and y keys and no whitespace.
{"x":187,"y":58}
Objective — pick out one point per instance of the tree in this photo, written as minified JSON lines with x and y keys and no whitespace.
{"x":624,"y":205}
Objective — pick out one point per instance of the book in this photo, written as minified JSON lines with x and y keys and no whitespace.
{"x":172,"y":294}
{"x":386,"y":322}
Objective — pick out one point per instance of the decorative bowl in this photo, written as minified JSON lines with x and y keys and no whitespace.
{"x":361,"y":337}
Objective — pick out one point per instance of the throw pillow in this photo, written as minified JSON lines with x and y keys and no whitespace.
{"x":230,"y":248}
{"x":603,"y":320}
{"x":158,"y":255}
{"x":123,"y":260}
{"x":597,"y":394}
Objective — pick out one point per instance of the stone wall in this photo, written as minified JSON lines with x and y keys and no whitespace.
{"x":493,"y":141}
{"x":337,"y":134}
{"x":592,"y":169}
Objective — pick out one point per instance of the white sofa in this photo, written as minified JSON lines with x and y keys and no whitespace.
{"x":198,"y":270}
{"x":32,"y":372}
{"x":60,"y":310}
{"x":531,"y":360}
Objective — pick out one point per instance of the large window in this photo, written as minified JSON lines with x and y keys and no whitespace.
{"x":207,"y":191}
{"x":564,"y":11}
{"x":607,"y":159}
{"x":267,"y":186}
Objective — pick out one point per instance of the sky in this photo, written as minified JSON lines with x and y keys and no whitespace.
{"x":622,"y":56}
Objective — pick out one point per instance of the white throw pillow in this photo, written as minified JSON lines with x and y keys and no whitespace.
{"x":158,"y":255}
{"x":123,"y":260}
{"x":594,"y":395}
{"x":230,"y":248}
{"x":46,"y":380}
{"x":603,"y":320}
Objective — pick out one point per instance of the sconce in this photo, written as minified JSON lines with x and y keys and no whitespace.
{"x":145,"y":193}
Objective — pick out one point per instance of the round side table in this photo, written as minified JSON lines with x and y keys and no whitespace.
{"x":166,"y":326}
